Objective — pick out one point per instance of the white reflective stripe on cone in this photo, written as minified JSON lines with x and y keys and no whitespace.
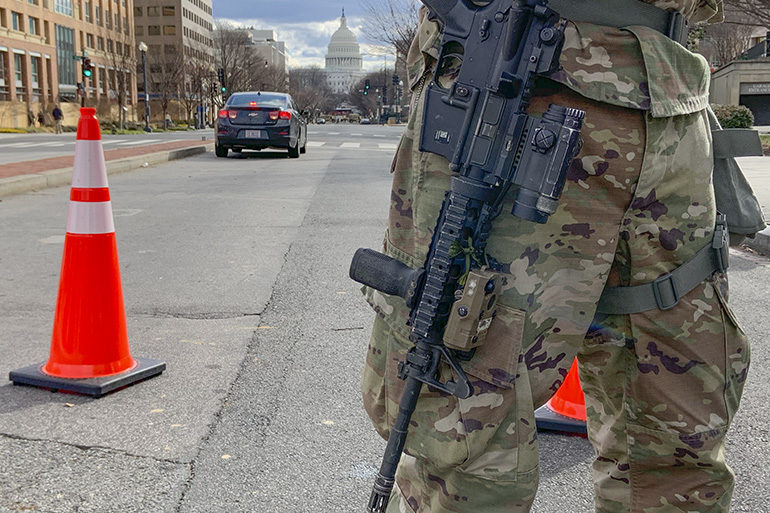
{"x":90,"y":170}
{"x":89,"y":218}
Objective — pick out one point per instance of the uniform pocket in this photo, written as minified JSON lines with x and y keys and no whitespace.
{"x":477,"y":435}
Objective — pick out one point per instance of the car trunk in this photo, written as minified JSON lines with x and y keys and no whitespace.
{"x":251,"y":116}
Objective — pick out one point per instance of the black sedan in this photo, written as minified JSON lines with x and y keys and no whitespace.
{"x":258,"y":120}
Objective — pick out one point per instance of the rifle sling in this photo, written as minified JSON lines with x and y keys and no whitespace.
{"x":624,"y":13}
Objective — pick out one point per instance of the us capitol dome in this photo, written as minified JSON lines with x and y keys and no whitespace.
{"x":344,"y":65}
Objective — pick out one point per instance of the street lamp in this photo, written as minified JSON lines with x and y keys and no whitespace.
{"x":143,"y":49}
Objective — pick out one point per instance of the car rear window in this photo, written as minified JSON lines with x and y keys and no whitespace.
{"x":261,"y":100}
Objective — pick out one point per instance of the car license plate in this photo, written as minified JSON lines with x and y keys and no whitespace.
{"x":253,"y":134}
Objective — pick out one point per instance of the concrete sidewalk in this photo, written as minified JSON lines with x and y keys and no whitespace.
{"x":30,"y":175}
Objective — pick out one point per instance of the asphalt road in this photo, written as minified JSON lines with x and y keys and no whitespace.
{"x":235,"y":273}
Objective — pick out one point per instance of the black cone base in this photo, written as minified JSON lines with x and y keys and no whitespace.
{"x":95,"y":387}
{"x":548,"y":420}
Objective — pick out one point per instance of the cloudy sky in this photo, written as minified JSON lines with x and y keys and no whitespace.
{"x":305,"y":26}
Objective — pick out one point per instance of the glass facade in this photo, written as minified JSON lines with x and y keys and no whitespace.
{"x":65,"y":49}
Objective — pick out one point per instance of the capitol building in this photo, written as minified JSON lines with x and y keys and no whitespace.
{"x":344,"y":65}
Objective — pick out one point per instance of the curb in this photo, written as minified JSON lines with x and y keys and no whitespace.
{"x":58,"y":177}
{"x":761,"y":242}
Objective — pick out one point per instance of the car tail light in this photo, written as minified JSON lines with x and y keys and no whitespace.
{"x":274,"y":114}
{"x":284,"y":114}
{"x":223,"y":114}
{"x":233,"y":114}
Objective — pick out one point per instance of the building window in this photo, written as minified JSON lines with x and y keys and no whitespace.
{"x":169,"y":30}
{"x":153,"y":11}
{"x":137,"y":12}
{"x":169,"y":49}
{"x":117,"y":21}
{"x":153,"y":30}
{"x":90,"y":40}
{"x":32,"y":25}
{"x":107,"y":19}
{"x":87,"y":9}
{"x":98,"y":13}
{"x":16,"y":23}
{"x":169,"y":10}
{"x":35,"y":71}
{"x":65,"y":49}
{"x":18,"y":63}
{"x":109,"y":46}
{"x":100,"y":43}
{"x":63,"y":7}
{"x":139,"y":30}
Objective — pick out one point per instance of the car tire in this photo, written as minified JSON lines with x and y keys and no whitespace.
{"x":220,"y":151}
{"x":294,"y":151}
{"x":304,"y":148}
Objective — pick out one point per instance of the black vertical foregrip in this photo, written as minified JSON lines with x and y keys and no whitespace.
{"x":385,"y":274}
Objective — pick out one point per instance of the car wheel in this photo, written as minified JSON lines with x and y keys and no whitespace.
{"x":304,"y":148}
{"x":237,"y":150}
{"x":294,"y":151}
{"x":220,"y":151}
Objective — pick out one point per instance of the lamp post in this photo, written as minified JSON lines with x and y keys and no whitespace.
{"x":143,"y":49}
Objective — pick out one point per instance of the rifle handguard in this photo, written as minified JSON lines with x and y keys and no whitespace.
{"x":385,"y":274}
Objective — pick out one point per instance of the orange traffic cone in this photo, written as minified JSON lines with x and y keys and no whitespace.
{"x":89,"y":348}
{"x":566,"y":410}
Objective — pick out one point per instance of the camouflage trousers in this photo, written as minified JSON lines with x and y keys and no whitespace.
{"x":661,"y":386}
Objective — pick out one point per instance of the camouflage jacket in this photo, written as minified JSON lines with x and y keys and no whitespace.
{"x":635,"y":67}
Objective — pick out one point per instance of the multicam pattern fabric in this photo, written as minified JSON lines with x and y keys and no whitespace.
{"x":662,"y":387}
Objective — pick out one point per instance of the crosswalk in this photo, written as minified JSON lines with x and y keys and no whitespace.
{"x":352,"y":145}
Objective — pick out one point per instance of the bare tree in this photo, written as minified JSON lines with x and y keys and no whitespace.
{"x":120,"y":57}
{"x":725,"y":42}
{"x":309,"y":89}
{"x":755,"y":12}
{"x":392,"y":22}
{"x":166,"y":71}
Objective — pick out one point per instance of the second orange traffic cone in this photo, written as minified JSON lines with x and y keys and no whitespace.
{"x":89,"y":347}
{"x":566,"y":410}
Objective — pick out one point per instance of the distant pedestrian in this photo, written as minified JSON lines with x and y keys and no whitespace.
{"x":58,"y":117}
{"x":41,"y":118}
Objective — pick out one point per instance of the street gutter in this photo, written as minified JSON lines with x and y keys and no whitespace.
{"x":63,"y":176}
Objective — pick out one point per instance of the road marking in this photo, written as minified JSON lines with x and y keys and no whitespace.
{"x":378,"y":135}
{"x":53,"y":239}
{"x":134,"y":143}
{"x":350,"y":145}
{"x":387,"y":146}
{"x":356,"y":134}
{"x":315,"y":144}
{"x":114,"y":141}
{"x":333,"y":133}
{"x":17,"y":145}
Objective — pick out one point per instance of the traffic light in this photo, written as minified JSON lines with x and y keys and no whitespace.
{"x":222,"y":80}
{"x":88,"y":69}
{"x":395,"y":80}
{"x":366,"y":87}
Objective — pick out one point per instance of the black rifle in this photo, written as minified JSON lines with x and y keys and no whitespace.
{"x":479,"y":123}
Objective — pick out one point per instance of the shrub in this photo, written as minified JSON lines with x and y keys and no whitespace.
{"x":733,"y":116}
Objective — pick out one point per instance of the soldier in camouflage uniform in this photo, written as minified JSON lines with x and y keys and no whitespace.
{"x":661,"y":386}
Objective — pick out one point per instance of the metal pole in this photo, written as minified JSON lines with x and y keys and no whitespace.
{"x":146,"y":95}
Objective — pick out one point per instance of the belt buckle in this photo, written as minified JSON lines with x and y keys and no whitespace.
{"x":660,"y":301}
{"x":721,"y":243}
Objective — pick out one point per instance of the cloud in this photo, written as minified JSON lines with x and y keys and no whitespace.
{"x":306,"y":43}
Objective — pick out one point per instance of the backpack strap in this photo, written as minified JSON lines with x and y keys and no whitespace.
{"x":666,"y":290}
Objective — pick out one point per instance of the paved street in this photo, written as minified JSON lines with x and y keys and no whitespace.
{"x":235,"y":274}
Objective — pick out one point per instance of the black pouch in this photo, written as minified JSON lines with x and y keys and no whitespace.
{"x":734,"y":196}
